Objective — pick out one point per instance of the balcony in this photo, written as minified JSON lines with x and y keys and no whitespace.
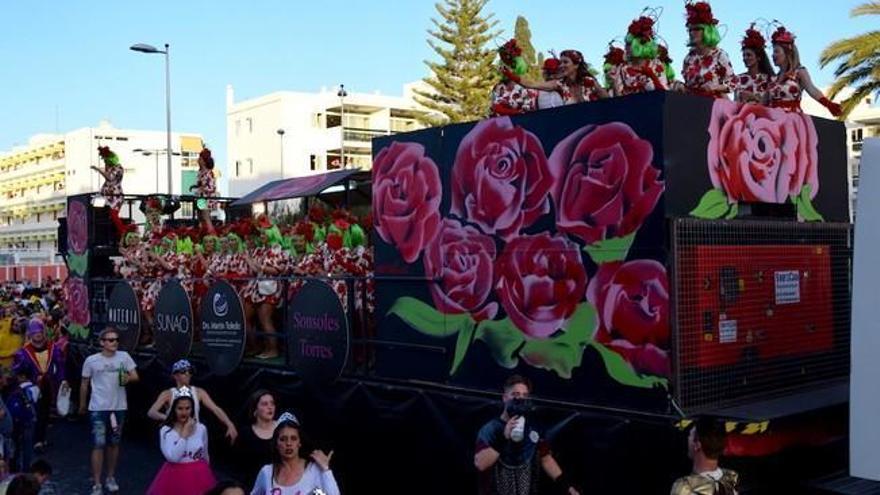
{"x":30,"y":228}
{"x":29,"y":170}
{"x":857,"y":147}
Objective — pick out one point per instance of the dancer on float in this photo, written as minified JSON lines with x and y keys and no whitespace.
{"x":206,"y":187}
{"x":784,"y":90}
{"x":296,"y":468}
{"x":112,"y":187}
{"x":182,"y":372}
{"x":161,"y":265}
{"x":615,"y":61}
{"x":508,"y":96}
{"x":706,"y":70}
{"x":184,"y":443}
{"x":751,"y":86}
{"x":643,"y":71}
{"x":264,"y":295}
{"x":576,"y":83}
{"x":663,"y":56}
{"x":552,"y":98}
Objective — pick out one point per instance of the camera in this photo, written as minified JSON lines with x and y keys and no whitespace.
{"x":519,"y":407}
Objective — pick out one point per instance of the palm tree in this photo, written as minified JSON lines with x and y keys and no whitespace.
{"x":859,"y":62}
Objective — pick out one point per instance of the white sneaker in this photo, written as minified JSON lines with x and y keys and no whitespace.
{"x":111,"y":485}
{"x":97,"y":490}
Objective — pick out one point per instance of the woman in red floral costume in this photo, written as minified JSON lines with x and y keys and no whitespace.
{"x":707,"y":70}
{"x":159,"y":266}
{"x":508,"y":96}
{"x":643,"y":71}
{"x":576,"y":83}
{"x":264,"y":295}
{"x":112,"y":187}
{"x":784,"y":91}
{"x":751,"y":86}
{"x":615,"y":61}
{"x":206,"y":187}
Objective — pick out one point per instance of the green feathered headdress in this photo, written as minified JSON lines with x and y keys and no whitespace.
{"x":108,"y":156}
{"x":511,"y":56}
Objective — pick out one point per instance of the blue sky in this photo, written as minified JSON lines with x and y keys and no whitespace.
{"x":70,"y":59}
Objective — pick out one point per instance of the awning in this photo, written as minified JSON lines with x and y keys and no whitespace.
{"x":295,"y":187}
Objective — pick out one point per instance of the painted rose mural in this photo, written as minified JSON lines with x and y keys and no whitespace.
{"x":76,"y":292}
{"x":531,"y":259}
{"x":760,"y":154}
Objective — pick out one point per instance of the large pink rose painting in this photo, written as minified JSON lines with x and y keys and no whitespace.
{"x":76,"y":295}
{"x":528,"y":260}
{"x":758,"y":154}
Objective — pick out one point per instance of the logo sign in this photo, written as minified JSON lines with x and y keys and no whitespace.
{"x":173,"y":326}
{"x":788,"y":287}
{"x":124,"y":314}
{"x":317,"y":339}
{"x":223,"y":331}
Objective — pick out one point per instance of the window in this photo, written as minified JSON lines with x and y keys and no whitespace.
{"x":122,"y":138}
{"x":250,"y":124}
{"x":237,"y":127}
{"x":333,"y":120}
{"x":250,"y":163}
{"x":313,"y":162}
{"x":38,"y":218}
{"x":238,"y":168}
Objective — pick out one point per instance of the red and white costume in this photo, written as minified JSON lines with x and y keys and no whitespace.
{"x":701,"y":72}
{"x":639,"y":76}
{"x":785,"y":92}
{"x":510,"y":98}
{"x":589,"y":91}
{"x":747,"y":83}
{"x":274,"y":258}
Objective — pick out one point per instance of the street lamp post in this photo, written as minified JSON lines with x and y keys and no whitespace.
{"x":144,"y":48}
{"x":342,"y":94}
{"x":281,"y":150}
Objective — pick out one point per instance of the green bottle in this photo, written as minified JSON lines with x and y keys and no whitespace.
{"x":121,"y":375}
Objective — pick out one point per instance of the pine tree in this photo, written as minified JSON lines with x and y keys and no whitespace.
{"x":523,"y":36}
{"x":461,"y":82}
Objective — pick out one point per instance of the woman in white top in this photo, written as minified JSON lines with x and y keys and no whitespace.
{"x":290,"y":472}
{"x":182,"y":372}
{"x":184,"y":443}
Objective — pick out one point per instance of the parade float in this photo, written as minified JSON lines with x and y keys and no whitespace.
{"x":643,"y":260}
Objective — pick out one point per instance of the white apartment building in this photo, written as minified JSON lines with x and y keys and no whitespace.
{"x":863,"y":122}
{"x":289,"y":134}
{"x":36,"y":178}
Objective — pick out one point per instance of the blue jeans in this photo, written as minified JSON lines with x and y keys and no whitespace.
{"x":101,"y":425}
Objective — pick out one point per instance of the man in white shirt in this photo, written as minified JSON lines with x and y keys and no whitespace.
{"x":107,"y":372}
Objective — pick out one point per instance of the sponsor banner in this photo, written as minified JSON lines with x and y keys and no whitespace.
{"x":173,"y":326}
{"x":223,"y":328}
{"x":123,"y":314}
{"x":318,"y":336}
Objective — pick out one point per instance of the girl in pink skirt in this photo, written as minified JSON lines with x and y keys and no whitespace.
{"x":184,"y":443}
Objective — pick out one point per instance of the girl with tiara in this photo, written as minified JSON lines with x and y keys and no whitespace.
{"x":706,"y":69}
{"x":784,"y":90}
{"x":643,"y":71}
{"x":751,"y":85}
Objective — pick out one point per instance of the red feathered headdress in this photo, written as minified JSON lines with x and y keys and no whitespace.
{"x":699,"y":13}
{"x":575,"y":56}
{"x":205,"y":156}
{"x":642,"y":28}
{"x":782,"y":36}
{"x":551,"y":65}
{"x":508,"y":52}
{"x":615,"y":55}
{"x":754,"y":39}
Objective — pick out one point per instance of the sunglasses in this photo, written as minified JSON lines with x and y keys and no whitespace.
{"x":110,"y":340}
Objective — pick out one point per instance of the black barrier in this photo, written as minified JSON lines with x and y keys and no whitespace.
{"x":318,"y":339}
{"x":223,"y":328}
{"x":123,"y":314}
{"x":173,"y":332}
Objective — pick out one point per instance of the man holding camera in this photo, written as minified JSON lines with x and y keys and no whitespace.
{"x":510,"y":450}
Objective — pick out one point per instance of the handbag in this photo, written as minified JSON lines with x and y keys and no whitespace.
{"x":62,"y":402}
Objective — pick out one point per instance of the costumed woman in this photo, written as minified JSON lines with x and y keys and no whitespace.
{"x":784,"y":90}
{"x":160,"y":265}
{"x":112,"y":187}
{"x":643,"y":71}
{"x":576,"y":83}
{"x":508,"y":96}
{"x":706,"y":70}
{"x":615,"y":61}
{"x":264,"y":295}
{"x":181,"y":373}
{"x":663,"y":55}
{"x":751,"y":85}
{"x":550,"y":99}
{"x":296,"y":468}
{"x":184,"y":443}
{"x":206,"y":188}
